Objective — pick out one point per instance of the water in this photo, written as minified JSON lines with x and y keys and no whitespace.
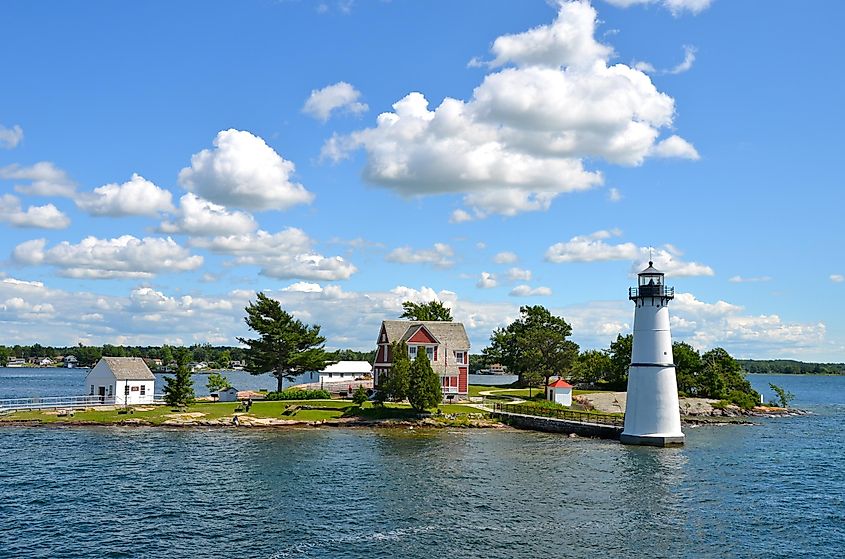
{"x":772,"y":490}
{"x":25,"y":382}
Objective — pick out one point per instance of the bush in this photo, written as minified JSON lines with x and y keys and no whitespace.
{"x":360,"y":395}
{"x":299,"y":394}
{"x":742,"y":399}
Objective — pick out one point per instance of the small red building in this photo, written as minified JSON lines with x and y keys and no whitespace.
{"x":445,"y":343}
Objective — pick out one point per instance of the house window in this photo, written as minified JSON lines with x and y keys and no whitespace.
{"x":460,"y":356}
{"x":429,"y":352}
{"x":110,"y":393}
{"x":412,"y":351}
{"x":143,"y":389}
{"x":92,"y":390}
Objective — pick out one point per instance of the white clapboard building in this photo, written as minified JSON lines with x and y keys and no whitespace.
{"x":122,"y":380}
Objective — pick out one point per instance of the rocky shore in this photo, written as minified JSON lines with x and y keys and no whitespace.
{"x":693,"y":410}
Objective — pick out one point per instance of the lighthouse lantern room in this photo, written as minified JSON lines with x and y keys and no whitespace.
{"x":652,"y":416}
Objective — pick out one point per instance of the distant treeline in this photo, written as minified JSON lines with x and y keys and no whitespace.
{"x":790,"y":367}
{"x":214,"y":356}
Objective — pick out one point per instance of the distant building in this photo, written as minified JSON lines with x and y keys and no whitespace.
{"x":45,"y":362}
{"x":227,"y":395}
{"x":71,"y":361}
{"x":559,"y":392}
{"x":123,"y":380}
{"x":445,"y":343}
{"x":345,"y":371}
{"x":16,"y":362}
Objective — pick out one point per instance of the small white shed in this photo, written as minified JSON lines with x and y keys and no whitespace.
{"x":344,"y":371}
{"x":559,"y":392}
{"x":227,"y":394}
{"x":121,"y":380}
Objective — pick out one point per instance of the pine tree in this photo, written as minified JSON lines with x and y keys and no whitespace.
{"x":424,"y":390}
{"x":396,"y":386}
{"x":286,"y":347}
{"x":179,"y":389}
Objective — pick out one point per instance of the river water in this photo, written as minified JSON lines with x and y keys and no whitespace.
{"x":28,"y":382}
{"x":772,"y":490}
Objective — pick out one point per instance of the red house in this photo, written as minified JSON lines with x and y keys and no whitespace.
{"x":445,"y":343}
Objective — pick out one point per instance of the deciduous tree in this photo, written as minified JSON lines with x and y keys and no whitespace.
{"x":536,"y":341}
{"x":433,"y":310}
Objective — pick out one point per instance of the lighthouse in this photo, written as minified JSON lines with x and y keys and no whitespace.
{"x":652,"y":416}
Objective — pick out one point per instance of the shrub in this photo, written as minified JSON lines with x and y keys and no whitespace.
{"x":299,"y":394}
{"x":360,"y":395}
{"x":742,"y":399}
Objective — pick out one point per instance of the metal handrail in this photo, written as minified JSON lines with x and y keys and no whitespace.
{"x":47,"y":402}
{"x":568,"y":415}
{"x":651,"y":291}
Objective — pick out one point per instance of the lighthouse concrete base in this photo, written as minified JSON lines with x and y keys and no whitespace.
{"x":650,"y":440}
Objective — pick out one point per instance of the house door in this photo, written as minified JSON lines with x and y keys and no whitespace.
{"x":102,"y":394}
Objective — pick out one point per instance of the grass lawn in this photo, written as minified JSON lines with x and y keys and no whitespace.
{"x":323,"y":409}
{"x":509,"y":390}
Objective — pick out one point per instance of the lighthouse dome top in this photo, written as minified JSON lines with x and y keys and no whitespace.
{"x":651,"y":270}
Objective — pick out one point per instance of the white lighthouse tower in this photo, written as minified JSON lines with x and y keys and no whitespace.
{"x":652,"y":416}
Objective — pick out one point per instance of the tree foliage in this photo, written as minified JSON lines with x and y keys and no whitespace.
{"x":286,"y":347}
{"x":784,"y":397}
{"x":179,"y":389}
{"x":620,"y":361}
{"x":359,"y":396}
{"x":536,"y":341}
{"x":591,"y":366}
{"x":424,"y":390}
{"x":397,"y":384}
{"x":216,"y":382}
{"x":432,"y":310}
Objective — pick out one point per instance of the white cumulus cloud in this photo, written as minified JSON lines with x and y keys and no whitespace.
{"x":203,"y":218}
{"x":522,"y":138}
{"x":45,"y":179}
{"x":486,"y":281}
{"x":10,"y":137}
{"x":43,"y":217}
{"x":518,"y":274}
{"x":121,"y":257}
{"x":288,"y":254}
{"x":837,"y":278}
{"x":528,"y":291}
{"x":594,"y":248}
{"x":677,"y":7}
{"x":505,"y":257}
{"x":439,"y":256}
{"x":137,"y":196}
{"x":337,"y":97}
{"x":243,"y":171}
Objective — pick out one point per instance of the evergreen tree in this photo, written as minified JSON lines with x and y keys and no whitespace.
{"x":424,"y":390}
{"x":359,"y":396}
{"x":286,"y":347}
{"x":396,"y":385}
{"x":179,"y":389}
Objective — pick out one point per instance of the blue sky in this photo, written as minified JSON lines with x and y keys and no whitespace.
{"x":160,"y":162}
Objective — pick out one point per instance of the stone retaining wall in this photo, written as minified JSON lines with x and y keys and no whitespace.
{"x":553,"y":425}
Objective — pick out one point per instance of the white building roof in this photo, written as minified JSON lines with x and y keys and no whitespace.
{"x":129,"y":368}
{"x":357,"y":367}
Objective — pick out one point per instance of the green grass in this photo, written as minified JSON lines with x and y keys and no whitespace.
{"x":311,"y":410}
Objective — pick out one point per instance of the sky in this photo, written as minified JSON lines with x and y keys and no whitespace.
{"x":161,"y":162}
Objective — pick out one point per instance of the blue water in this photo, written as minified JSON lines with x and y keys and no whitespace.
{"x":26,"y":382}
{"x":772,"y":490}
